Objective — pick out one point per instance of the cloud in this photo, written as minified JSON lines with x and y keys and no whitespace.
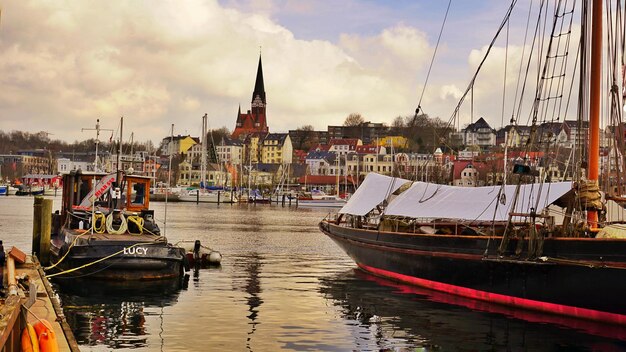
{"x":67,"y":63}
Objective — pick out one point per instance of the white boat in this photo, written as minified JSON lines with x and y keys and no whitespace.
{"x":207,"y":196}
{"x":320,"y":199}
{"x":52,"y":191}
{"x":8,"y":190}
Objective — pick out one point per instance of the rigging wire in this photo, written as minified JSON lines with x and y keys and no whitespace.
{"x":432,"y":60}
{"x":482,"y":62}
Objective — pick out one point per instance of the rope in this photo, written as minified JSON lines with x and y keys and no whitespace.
{"x":138,"y":221}
{"x":87,"y":232}
{"x":121,"y":229}
{"x":432,"y":60}
{"x":99,"y":216}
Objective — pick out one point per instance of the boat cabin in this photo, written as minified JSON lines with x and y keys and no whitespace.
{"x":81,"y":191}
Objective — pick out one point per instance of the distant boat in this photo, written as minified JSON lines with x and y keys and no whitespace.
{"x":26,"y":190}
{"x":207,"y":196}
{"x":8,"y":190}
{"x":318,"y":198}
{"x":257,"y":197}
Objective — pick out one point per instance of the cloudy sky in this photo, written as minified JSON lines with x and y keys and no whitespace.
{"x":63,"y":64}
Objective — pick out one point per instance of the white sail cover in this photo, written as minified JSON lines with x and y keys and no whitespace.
{"x":374,"y":189}
{"x":428,"y":200}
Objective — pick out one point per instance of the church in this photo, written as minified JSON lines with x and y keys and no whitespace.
{"x":254,"y":120}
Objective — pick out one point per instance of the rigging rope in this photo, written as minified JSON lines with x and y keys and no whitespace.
{"x":432,"y":60}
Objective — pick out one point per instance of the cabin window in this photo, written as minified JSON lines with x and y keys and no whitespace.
{"x":139,"y":191}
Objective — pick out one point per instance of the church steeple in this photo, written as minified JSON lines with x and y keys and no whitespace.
{"x":239,"y":123}
{"x":255,"y":120}
{"x":259,"y":87}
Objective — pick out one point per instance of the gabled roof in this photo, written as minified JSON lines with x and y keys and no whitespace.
{"x":231,"y":142}
{"x":481,"y":123}
{"x":367,"y":149}
{"x":320,"y":147}
{"x":344,"y":141}
{"x":574,"y":123}
{"x":319,"y":155}
{"x":280,"y":137}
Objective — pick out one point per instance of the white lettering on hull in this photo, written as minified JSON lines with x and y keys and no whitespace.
{"x":136,"y":250}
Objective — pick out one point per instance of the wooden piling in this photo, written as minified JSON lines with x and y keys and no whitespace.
{"x":283,"y":200}
{"x":197,"y":196}
{"x":46,"y":231}
{"x":36,"y":224}
{"x":218,"y":197}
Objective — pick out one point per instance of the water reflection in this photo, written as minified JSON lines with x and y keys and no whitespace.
{"x":113,"y":314}
{"x":251,"y":285}
{"x":393,"y":315}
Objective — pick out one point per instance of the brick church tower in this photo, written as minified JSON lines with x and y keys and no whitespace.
{"x":255,"y":120}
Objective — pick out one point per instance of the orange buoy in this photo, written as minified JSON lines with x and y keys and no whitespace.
{"x":46,"y":337}
{"x":29,"y":339}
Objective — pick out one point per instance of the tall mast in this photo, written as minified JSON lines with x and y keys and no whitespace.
{"x":594,"y":102}
{"x":204,"y":146}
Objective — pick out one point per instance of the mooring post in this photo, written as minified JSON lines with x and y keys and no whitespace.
{"x":36,"y":224}
{"x":219,"y":194}
{"x":197,"y":196}
{"x":46,"y":230}
{"x":283,"y":200}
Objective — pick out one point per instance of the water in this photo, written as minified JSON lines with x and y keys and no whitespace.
{"x":285,"y":286}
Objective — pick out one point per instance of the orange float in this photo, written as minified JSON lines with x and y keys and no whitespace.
{"x":29,"y":339}
{"x":46,"y":337}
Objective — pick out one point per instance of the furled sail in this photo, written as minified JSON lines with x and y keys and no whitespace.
{"x":428,"y":200}
{"x":373,"y":191}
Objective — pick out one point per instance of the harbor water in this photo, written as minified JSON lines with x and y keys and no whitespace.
{"x":283,"y":285}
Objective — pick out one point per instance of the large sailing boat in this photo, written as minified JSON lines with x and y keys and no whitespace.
{"x":500,"y":244}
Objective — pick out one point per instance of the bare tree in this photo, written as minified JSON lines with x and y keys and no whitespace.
{"x":353,"y":119}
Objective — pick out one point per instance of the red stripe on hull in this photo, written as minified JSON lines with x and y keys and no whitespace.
{"x":552,"y":308}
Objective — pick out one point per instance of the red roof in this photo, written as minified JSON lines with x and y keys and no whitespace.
{"x":367,"y":149}
{"x":344,"y":141}
{"x":324,"y":179}
{"x":300,"y":155}
{"x":321,"y":148}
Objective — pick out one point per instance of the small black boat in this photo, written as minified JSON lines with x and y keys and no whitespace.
{"x":114,"y":237}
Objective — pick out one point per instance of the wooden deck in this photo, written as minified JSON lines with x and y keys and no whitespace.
{"x":46,"y":306}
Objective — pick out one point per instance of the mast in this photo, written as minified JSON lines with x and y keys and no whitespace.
{"x":169,"y":177}
{"x":594,"y":103}
{"x":203,"y":161}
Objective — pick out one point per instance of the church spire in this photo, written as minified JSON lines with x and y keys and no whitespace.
{"x":259,"y":87}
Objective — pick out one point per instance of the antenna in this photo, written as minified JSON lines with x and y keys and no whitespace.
{"x":97,"y":129}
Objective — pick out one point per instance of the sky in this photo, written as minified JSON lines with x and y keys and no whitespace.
{"x":64,"y":64}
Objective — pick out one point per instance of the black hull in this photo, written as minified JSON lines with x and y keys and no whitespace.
{"x":122,"y":260}
{"x":589,"y":285}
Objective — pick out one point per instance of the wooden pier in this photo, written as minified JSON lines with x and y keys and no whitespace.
{"x":33,"y":301}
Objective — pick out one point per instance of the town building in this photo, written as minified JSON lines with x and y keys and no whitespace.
{"x":367,"y":132}
{"x":277,"y":149}
{"x":230,"y":151}
{"x":177,"y":144}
